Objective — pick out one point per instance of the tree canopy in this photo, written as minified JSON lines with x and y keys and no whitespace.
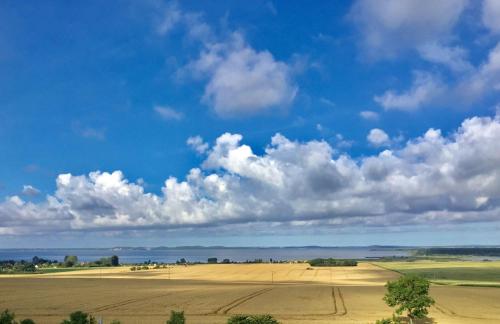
{"x":411,"y":294}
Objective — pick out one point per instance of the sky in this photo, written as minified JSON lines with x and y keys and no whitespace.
{"x":249,"y":123}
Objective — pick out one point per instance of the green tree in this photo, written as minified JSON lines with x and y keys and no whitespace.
{"x":410,"y":294}
{"x":27,"y":321}
{"x":115,"y":261}
{"x":176,"y":318}
{"x":80,"y":317}
{"x":252,"y":319}
{"x":7,"y":317}
{"x":70,"y":260}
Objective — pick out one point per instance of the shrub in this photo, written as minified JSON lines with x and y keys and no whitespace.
{"x":80,"y":317}
{"x":393,"y":320}
{"x":133,"y":268}
{"x":6,"y":317}
{"x":70,"y":260}
{"x":176,"y":318}
{"x":27,"y":321}
{"x":252,"y":319}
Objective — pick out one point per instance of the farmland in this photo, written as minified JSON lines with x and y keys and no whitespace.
{"x":293,"y":293}
{"x":473,"y":273}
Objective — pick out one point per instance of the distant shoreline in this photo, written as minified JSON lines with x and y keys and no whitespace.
{"x":187,"y":247}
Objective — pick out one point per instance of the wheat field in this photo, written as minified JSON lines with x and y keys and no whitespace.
{"x":293,"y":293}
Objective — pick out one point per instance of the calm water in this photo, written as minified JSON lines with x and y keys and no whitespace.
{"x":201,"y":254}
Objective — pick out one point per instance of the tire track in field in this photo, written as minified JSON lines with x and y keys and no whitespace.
{"x":238,"y":301}
{"x":334,"y":302}
{"x":128,"y":302}
{"x":341,"y":297}
{"x":446,"y":311}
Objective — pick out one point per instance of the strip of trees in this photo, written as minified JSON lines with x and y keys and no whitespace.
{"x":332,"y":263}
{"x":38,"y":264}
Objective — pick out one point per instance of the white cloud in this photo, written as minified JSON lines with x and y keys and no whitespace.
{"x":425,"y":88}
{"x":369,"y":115}
{"x":168,"y":113}
{"x":29,"y":190}
{"x":433,"y":179}
{"x":172,"y":16}
{"x":197,"y":144}
{"x":453,"y":57}
{"x":243,"y":81}
{"x":484,"y":80}
{"x":476,"y":84}
{"x":491,"y":15}
{"x":388,"y":27}
{"x":378,"y":137}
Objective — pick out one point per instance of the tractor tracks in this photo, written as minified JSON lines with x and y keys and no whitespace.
{"x":448,"y":312}
{"x":237,"y":302}
{"x":128,"y":302}
{"x":339,"y":308}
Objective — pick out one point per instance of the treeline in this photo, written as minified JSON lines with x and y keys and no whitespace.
{"x":38,"y":264}
{"x":12,"y":266}
{"x":330,"y":262}
{"x":477,"y":251}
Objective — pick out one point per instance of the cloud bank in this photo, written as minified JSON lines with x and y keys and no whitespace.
{"x":432,"y":179}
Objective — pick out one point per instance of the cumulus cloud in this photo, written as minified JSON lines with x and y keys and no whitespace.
{"x":29,"y":190}
{"x":168,"y":113}
{"x":243,"y":81}
{"x":378,"y":137}
{"x":491,"y":15}
{"x":388,"y":27}
{"x":432,"y":179}
{"x":425,"y":88}
{"x":240,"y":80}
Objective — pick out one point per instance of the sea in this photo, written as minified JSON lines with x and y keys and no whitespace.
{"x":201,"y":254}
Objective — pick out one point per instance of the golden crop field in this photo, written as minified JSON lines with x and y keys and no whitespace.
{"x":293,"y":293}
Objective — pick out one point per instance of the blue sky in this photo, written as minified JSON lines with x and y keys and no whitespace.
{"x":166,"y":123}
